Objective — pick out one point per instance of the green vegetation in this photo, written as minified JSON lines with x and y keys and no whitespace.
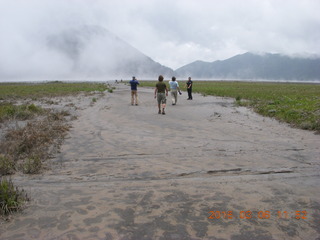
{"x":19,"y":112}
{"x":26,"y":148}
{"x":29,"y":134}
{"x":11,"y":198}
{"x":7,"y":165}
{"x":295,"y":103}
{"x":32,"y":165}
{"x":50,"y":89}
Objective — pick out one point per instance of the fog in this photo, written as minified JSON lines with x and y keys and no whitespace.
{"x":88,"y":39}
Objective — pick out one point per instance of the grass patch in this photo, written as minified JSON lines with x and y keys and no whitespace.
{"x":51,"y":89}
{"x":7,"y":165}
{"x":18,"y":112}
{"x":29,"y":134}
{"x":35,"y":139}
{"x":32,"y":165}
{"x":11,"y":198}
{"x":295,"y":103}
{"x":26,"y":148}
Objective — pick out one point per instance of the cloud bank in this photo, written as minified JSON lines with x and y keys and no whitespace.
{"x":173,"y":33}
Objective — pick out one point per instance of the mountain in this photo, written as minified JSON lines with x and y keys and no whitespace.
{"x":249,"y":66}
{"x":94,"y":52}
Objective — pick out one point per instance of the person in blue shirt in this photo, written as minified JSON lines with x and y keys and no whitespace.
{"x":134,"y":95}
{"x":174,"y":89}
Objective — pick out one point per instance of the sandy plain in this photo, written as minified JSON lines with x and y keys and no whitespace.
{"x":125,"y":172}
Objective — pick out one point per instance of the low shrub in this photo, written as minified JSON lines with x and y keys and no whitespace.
{"x":32,"y":165}
{"x":18,"y":112}
{"x":11,"y":198}
{"x":7,"y":165}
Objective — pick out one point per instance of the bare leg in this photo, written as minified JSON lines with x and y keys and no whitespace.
{"x":163,"y":107}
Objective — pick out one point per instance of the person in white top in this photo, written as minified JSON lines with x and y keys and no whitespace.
{"x":174,"y":89}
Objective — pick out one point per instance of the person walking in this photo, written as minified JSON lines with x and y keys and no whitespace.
{"x":189,"y":88}
{"x":174,"y":89}
{"x":160,"y":92}
{"x":134,"y":94}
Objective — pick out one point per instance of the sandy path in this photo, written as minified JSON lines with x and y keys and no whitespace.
{"x":126,"y":172}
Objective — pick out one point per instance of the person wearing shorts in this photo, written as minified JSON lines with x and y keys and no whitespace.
{"x":161,"y":92}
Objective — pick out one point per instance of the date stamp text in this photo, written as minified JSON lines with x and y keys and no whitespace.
{"x":265,"y":214}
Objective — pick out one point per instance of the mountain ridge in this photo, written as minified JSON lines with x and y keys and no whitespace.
{"x":93,"y":51}
{"x":250,"y":66}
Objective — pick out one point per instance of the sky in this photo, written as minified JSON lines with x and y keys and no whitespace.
{"x":171,"y":32}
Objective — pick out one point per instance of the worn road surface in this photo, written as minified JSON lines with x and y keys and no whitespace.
{"x":205,"y":170}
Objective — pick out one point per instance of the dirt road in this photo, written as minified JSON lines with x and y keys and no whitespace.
{"x":205,"y":170}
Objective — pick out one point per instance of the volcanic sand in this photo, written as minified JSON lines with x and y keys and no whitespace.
{"x":126,"y":172}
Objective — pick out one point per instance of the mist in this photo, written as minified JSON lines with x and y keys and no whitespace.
{"x":105,"y":40}
{"x":40,"y":42}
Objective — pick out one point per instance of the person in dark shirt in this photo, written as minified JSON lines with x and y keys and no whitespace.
{"x":189,"y":88}
{"x":160,"y":92}
{"x":134,"y":95}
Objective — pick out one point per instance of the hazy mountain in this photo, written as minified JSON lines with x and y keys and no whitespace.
{"x":255,"y":67}
{"x":94,"y":52}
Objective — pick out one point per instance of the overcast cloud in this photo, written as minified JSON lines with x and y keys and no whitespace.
{"x":171,"y":32}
